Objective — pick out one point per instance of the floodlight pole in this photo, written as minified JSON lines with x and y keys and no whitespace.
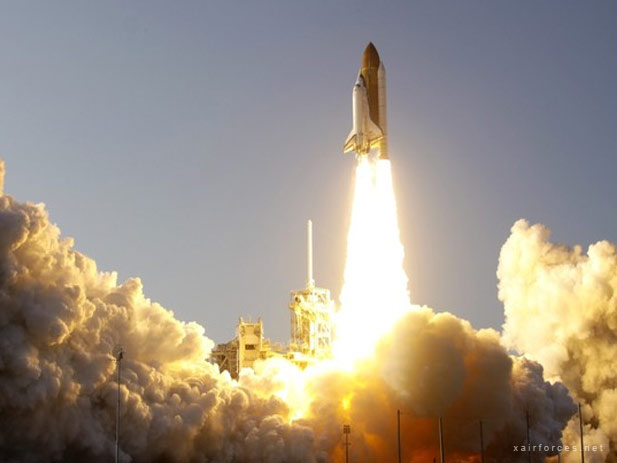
{"x":119,"y":363}
{"x":528,"y":437}
{"x":441,"y":442}
{"x":481,"y":443}
{"x":346,"y":431}
{"x":580,"y":424}
{"x":398,"y":433}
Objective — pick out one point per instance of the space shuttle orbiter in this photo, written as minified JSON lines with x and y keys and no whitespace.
{"x":369,"y":107}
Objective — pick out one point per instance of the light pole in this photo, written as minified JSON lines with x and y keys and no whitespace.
{"x":580,"y":424}
{"x":119,"y":357}
{"x":398,"y":433}
{"x":346,"y":431}
{"x":528,"y":437}
{"x":441,"y":442}
{"x":481,"y":443}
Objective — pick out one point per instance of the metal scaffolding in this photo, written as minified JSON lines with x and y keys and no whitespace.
{"x":311,"y":330}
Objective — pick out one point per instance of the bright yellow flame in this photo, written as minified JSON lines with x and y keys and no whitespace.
{"x":374,"y":293}
{"x":346,"y":402}
{"x":285,"y":380}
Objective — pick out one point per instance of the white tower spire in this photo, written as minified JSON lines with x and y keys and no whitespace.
{"x":310,"y":282}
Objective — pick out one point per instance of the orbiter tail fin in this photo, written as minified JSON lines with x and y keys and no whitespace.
{"x":350,"y":142}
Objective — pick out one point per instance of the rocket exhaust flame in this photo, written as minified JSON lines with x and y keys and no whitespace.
{"x":374,"y":293}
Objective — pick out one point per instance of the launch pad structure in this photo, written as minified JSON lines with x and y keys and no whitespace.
{"x":312,"y":307}
{"x":311,"y":311}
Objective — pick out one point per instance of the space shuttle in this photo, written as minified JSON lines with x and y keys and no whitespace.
{"x":369,"y":108}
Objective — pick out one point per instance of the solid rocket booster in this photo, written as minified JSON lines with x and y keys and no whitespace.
{"x":369,"y":107}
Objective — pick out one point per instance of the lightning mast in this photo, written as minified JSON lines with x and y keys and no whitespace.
{"x":311,"y":312}
{"x":310,"y":282}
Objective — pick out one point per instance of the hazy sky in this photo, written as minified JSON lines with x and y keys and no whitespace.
{"x":188,"y":142}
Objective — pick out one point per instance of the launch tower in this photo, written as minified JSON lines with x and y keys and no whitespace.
{"x":311,"y":330}
{"x":311,"y":313}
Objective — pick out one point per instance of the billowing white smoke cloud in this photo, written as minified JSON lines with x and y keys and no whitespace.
{"x":434,"y":365}
{"x":561,"y":310}
{"x":60,"y":320}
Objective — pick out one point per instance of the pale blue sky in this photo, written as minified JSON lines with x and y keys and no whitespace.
{"x":188,"y":142}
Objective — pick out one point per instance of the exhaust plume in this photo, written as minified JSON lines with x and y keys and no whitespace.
{"x":374,"y":273}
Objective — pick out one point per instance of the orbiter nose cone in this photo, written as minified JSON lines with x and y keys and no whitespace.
{"x":370,"y":58}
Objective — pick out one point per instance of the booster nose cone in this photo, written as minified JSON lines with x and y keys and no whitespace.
{"x":370,"y":57}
